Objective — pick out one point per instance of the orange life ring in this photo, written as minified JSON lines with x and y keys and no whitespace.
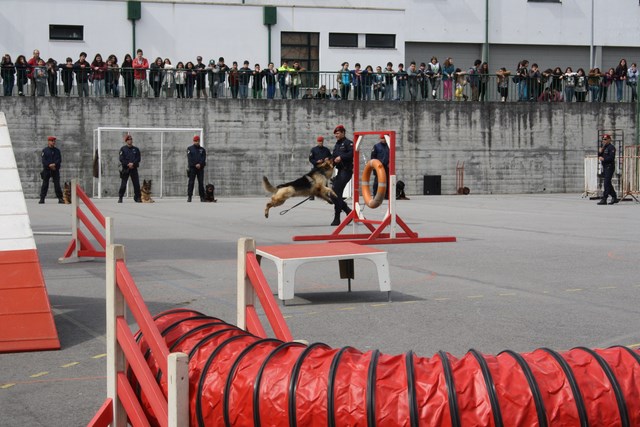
{"x":374,"y":202}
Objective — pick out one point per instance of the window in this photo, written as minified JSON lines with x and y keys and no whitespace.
{"x":343,"y":40}
{"x":66,"y":32}
{"x":384,"y":41}
{"x":304,"y":48}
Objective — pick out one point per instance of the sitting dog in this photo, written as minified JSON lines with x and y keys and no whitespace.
{"x":209,"y":193}
{"x":313,"y":183}
{"x":145,"y":192}
{"x":66,"y":193}
{"x":400,"y":191}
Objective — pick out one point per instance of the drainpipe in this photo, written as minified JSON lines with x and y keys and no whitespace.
{"x":485,"y":46}
{"x":134,"y":12}
{"x":270,"y":17}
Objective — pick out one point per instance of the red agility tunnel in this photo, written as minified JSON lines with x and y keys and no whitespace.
{"x":238,"y":379}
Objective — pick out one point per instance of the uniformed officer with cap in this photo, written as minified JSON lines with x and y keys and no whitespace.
{"x":129,"y":162}
{"x":319,"y":152}
{"x":197,"y":160}
{"x":343,"y":159}
{"x":51,"y":160}
{"x":607,"y":155}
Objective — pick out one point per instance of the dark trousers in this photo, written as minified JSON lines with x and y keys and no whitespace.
{"x":46,"y":175}
{"x":375,"y":182}
{"x":193,"y":174}
{"x":339,"y":182}
{"x":608,"y":171}
{"x":133,"y":173}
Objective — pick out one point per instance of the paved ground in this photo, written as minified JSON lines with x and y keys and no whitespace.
{"x":527,"y":271}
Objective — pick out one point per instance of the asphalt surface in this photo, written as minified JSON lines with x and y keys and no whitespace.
{"x":527,"y":271}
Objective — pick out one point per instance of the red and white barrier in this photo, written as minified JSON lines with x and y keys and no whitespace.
{"x":86,"y":218}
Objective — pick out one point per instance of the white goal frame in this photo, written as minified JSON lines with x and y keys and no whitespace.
{"x":97,"y":144}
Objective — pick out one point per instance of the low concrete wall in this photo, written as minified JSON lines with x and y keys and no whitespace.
{"x":507,"y":148}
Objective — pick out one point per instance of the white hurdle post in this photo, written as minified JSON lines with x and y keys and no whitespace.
{"x":246,"y":295}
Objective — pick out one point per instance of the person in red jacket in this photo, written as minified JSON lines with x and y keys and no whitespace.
{"x":140,"y":67}
{"x":31,"y":64}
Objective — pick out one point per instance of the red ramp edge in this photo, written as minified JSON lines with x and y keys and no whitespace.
{"x":25,"y":313}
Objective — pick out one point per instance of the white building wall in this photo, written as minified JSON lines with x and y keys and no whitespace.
{"x":181,"y":30}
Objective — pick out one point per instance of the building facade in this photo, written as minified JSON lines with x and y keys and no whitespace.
{"x":323,"y":34}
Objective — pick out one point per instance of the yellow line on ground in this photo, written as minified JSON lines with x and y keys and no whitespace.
{"x":68,"y":365}
{"x":99,"y":356}
{"x":574,"y":290}
{"x":379,"y":305}
{"x":475,"y":296}
{"x":5,"y":386}
{"x":39,"y":374}
{"x":509,"y":294}
{"x":608,"y":287}
{"x":286,"y":317}
{"x":441,"y":299}
{"x":348,"y":308}
{"x":408,"y":302}
{"x":634,"y":345}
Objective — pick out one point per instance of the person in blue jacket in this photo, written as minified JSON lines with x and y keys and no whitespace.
{"x":129,"y":163}
{"x":51,"y":160}
{"x":197,"y":160}
{"x":607,"y":155}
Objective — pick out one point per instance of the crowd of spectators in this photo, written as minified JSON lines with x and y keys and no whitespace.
{"x":429,"y":80}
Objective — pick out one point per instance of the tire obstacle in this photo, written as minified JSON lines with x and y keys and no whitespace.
{"x":387,"y":230}
{"x":237,"y":376}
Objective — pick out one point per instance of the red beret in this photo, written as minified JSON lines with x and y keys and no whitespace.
{"x":320,"y":139}
{"x":339,"y":128}
{"x":606,"y":136}
{"x":196,"y":138}
{"x":51,"y":138}
{"x":126,"y":137}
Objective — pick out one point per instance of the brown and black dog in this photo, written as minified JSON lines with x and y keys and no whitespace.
{"x":313,"y":183}
{"x":145,"y":192}
{"x":66,"y":193}
{"x":209,"y":193}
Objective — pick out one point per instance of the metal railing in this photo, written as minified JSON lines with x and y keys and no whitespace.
{"x":489,"y":87}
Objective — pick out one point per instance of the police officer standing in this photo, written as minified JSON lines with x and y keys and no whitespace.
{"x":319,"y":152}
{"x":381,"y":152}
{"x":343,"y":159}
{"x":129,"y":162}
{"x":197,"y":160}
{"x":51,"y":160}
{"x":607,"y":155}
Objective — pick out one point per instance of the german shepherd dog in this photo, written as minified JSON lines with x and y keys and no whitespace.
{"x":66,"y":193}
{"x":209,"y":193}
{"x":313,"y":183}
{"x":145,"y":192}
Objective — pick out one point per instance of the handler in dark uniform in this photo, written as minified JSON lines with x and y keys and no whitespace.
{"x":381,"y":152}
{"x":197,"y":160}
{"x":129,"y":161}
{"x":319,"y":153}
{"x":51,"y":160}
{"x":343,"y":159}
{"x":607,"y":155}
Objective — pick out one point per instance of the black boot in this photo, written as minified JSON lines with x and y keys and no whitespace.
{"x":189,"y":199}
{"x":61,"y":201}
{"x":41,"y":202}
{"x":336,"y":219}
{"x":602,"y":202}
{"x":120,"y":199}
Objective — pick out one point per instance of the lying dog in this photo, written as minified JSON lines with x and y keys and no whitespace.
{"x":313,"y":183}
{"x":145,"y":192}
{"x":66,"y":193}
{"x":209,"y":193}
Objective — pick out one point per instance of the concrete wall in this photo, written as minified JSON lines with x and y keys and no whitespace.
{"x":507,"y":148}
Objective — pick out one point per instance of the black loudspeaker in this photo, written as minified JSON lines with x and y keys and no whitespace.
{"x":432,"y":185}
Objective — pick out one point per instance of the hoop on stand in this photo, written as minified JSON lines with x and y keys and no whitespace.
{"x":391,"y":229}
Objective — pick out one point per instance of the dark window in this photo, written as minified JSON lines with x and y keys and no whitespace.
{"x":343,"y":40}
{"x":304,"y":48}
{"x":385,"y":41}
{"x":66,"y":32}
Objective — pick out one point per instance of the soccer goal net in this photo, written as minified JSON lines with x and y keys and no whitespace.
{"x":163,"y":158}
